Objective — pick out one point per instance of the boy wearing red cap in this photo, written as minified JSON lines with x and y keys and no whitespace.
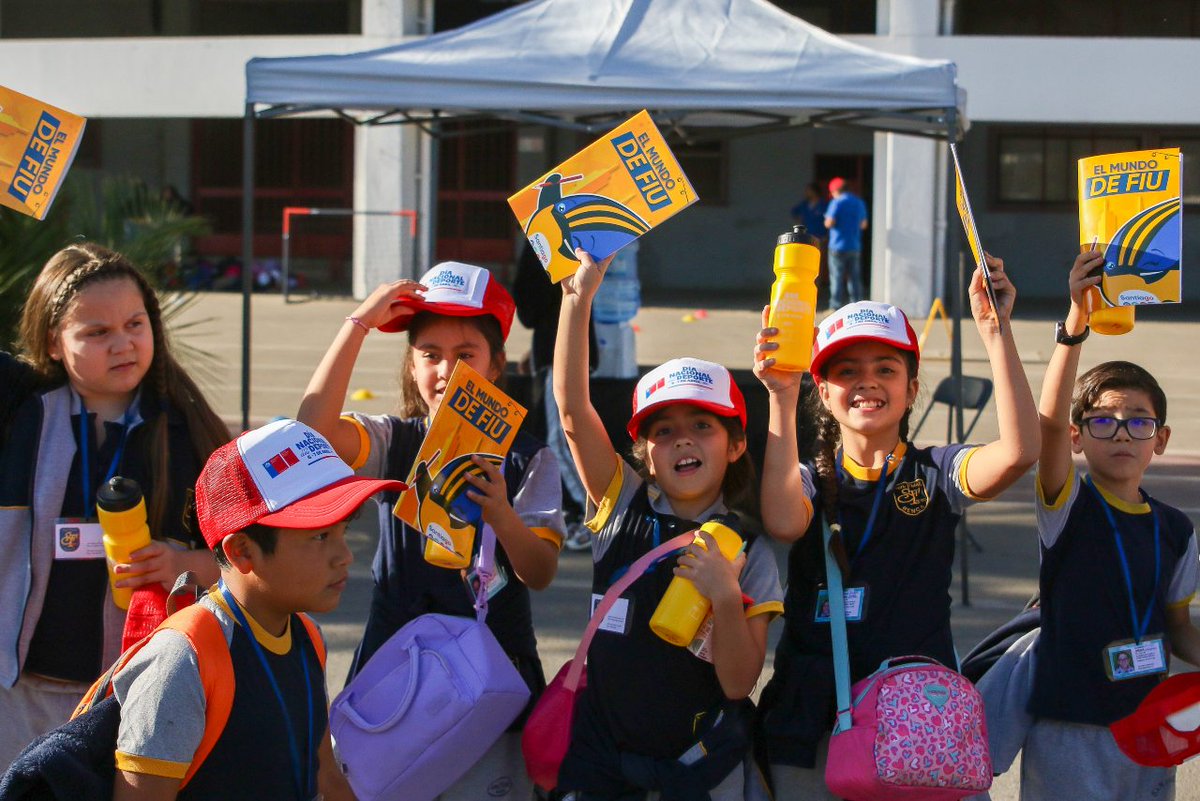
{"x":273,"y":506}
{"x":1118,"y":570}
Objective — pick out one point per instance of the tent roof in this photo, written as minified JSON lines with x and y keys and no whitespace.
{"x":581,"y":63}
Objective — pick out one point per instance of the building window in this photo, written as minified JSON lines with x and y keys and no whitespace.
{"x":1038,"y":167}
{"x":706,"y":165}
{"x":1110,"y":18}
{"x":835,"y":16}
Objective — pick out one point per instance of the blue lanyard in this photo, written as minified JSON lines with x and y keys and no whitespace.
{"x":85,"y":429}
{"x":304,"y":789}
{"x":1139,"y":630}
{"x":879,"y":487}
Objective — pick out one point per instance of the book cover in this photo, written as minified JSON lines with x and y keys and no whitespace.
{"x":474,"y":417}
{"x":604,"y":197}
{"x":1130,"y":208}
{"x":37,"y":145}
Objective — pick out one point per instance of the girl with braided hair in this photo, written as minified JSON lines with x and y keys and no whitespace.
{"x":118,"y":404}
{"x":893,"y":509}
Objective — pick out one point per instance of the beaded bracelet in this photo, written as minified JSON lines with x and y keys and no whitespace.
{"x":351,"y":318}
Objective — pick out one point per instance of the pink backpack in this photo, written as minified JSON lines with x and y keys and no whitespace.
{"x":915,"y":728}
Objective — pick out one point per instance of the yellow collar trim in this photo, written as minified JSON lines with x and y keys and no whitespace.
{"x":279,"y":646}
{"x":872,"y":473}
{"x":1128,"y":508}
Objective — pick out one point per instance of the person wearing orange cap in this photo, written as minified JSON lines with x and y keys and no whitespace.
{"x":846,"y":219}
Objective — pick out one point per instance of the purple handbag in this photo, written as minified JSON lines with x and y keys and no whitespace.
{"x":428,"y":704}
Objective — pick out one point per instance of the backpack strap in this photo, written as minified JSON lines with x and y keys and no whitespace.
{"x":314,"y":636}
{"x":204,"y":633}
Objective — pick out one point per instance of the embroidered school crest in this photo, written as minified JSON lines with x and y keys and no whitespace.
{"x":912,"y":497}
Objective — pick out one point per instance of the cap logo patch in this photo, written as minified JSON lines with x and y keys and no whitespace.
{"x":280,"y":462}
{"x":655,"y":387}
{"x":690,"y":376}
{"x":447,"y":279}
{"x":867,"y":317}
{"x":834,"y":328}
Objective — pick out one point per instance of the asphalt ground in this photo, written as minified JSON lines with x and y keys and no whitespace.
{"x":289,"y":339}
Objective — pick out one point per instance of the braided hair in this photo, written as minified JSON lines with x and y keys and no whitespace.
{"x":166,"y":384}
{"x":829,"y":437}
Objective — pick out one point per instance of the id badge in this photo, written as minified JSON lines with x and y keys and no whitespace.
{"x":1133,"y":660}
{"x":617,"y":619}
{"x":855,"y":600}
{"x":499,"y":581}
{"x":78,"y":538}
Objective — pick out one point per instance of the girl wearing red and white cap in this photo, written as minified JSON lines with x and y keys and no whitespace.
{"x":458,"y":312}
{"x":897,"y":505}
{"x":657,"y":715}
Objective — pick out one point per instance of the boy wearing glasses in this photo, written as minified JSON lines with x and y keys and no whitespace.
{"x":1118,"y":569}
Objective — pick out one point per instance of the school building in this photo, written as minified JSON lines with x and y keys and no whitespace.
{"x":162,"y":83}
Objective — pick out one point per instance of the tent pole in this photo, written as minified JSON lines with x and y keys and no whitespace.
{"x":247,"y":253}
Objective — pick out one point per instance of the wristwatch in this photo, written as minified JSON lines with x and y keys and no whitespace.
{"x":1063,"y":338}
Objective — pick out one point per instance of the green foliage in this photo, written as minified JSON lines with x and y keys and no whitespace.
{"x":124,"y":215}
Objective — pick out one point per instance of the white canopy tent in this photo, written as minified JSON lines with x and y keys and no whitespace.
{"x":704,"y":69}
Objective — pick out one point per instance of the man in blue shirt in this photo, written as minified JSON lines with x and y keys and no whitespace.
{"x":846,"y":219}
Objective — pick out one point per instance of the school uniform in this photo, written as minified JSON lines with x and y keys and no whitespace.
{"x":406,"y":586}
{"x":900,"y":574}
{"x":1088,"y":539}
{"x":648,"y":703}
{"x":58,"y":626}
{"x":163,"y":708}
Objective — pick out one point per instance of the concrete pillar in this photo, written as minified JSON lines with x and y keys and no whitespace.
{"x":909,"y":217}
{"x":909,"y":222}
{"x":391,"y":168}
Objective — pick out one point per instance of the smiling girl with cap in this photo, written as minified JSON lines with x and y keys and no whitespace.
{"x":894,"y":509}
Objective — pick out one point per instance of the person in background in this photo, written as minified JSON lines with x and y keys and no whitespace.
{"x":846,"y":219}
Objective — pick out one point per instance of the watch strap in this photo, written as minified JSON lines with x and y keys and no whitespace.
{"x":1063,"y":338}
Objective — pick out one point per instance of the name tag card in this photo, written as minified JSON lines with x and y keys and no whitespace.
{"x":78,"y":538}
{"x":855,"y":600}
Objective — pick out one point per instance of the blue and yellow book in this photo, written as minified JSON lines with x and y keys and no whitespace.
{"x":1130,"y":207}
{"x":603,"y":197}
{"x":37,"y":145}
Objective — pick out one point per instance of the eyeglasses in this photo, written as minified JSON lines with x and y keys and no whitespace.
{"x":1107,"y":427}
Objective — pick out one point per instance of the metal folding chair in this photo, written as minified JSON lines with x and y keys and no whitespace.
{"x":976,"y":392}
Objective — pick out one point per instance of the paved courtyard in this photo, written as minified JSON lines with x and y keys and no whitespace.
{"x":289,"y":339}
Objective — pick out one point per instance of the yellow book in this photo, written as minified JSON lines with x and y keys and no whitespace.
{"x":474,"y":418}
{"x":1130,"y":208}
{"x":603,"y":197}
{"x":37,"y":145}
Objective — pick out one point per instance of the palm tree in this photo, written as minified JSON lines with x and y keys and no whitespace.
{"x":124,"y":215}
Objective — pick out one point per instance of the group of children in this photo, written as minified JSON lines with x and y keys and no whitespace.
{"x":656,"y":720}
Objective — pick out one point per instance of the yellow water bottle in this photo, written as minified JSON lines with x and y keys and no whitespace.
{"x":1108,"y":320}
{"x":122,"y":513}
{"x":682,"y":608}
{"x":794,"y":298}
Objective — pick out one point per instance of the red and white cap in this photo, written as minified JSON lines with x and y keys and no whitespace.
{"x":864,"y":321}
{"x":1165,"y":728}
{"x":283,"y":474}
{"x":458,"y":290}
{"x":693,"y":381}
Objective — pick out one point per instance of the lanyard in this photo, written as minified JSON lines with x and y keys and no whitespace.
{"x":1139,"y":629}
{"x":879,"y":487}
{"x":85,"y":430}
{"x":305,"y":790}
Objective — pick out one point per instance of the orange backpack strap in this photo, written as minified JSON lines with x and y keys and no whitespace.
{"x":204,"y":632}
{"x":314,"y":636}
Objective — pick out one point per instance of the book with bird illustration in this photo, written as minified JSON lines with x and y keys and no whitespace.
{"x":37,"y":145}
{"x":604,"y":197}
{"x":1130,"y":208}
{"x":475,"y":418}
